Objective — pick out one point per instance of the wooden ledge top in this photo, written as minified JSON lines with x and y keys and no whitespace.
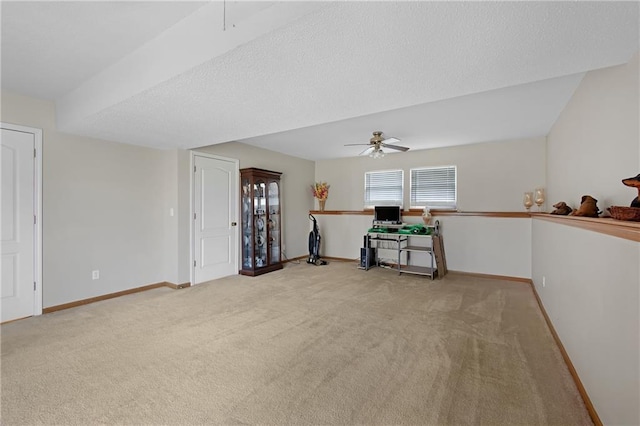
{"x":605,"y":225}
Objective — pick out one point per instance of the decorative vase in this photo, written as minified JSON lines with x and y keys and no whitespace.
{"x":539,"y":198}
{"x":321,"y":203}
{"x":528,"y":200}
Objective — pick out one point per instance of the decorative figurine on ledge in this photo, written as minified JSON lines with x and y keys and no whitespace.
{"x":426,"y":215}
{"x":588,"y":207}
{"x":634,"y":182}
{"x":562,"y":209}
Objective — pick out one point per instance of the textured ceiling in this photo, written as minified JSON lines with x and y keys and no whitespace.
{"x":430,"y":73}
{"x":49,"y":48}
{"x":522,"y":111}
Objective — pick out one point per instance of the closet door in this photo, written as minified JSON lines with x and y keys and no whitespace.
{"x":18,"y":225}
{"x":215,"y":230}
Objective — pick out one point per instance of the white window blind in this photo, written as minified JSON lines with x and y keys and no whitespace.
{"x":383,"y":188}
{"x":434,"y":187}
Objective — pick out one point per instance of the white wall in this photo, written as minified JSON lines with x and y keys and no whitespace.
{"x":103,"y":208}
{"x":176,"y":172}
{"x":170,"y":188}
{"x":485,"y":245}
{"x":491,"y":176}
{"x":593,"y":280}
{"x":591,"y":295}
{"x":596,"y":141}
{"x":296,"y":198}
{"x":184,"y":216}
{"x":488,"y":245}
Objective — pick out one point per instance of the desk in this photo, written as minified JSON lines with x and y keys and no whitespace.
{"x":409,"y":244}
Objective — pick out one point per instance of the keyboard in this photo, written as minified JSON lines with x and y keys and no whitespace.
{"x":388,"y":225}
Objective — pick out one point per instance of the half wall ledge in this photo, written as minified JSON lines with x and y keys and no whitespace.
{"x":433,"y":213}
{"x":604,"y":225}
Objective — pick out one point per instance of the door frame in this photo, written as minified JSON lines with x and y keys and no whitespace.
{"x":192,"y":200}
{"x":37,"y":210}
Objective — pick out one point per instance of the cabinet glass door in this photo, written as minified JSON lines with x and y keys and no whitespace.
{"x":259,"y":211}
{"x":274,"y":222}
{"x":247,"y":225}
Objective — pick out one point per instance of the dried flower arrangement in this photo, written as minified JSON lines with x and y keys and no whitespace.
{"x":320,"y":190}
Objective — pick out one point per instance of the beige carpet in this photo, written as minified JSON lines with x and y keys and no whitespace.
{"x":305,"y":345}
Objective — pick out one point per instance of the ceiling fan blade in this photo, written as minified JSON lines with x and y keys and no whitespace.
{"x":398,"y":147}
{"x":356,"y":144}
{"x":362,"y":153}
{"x":391,"y":140}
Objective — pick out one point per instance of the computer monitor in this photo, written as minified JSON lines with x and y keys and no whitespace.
{"x":387,"y":214}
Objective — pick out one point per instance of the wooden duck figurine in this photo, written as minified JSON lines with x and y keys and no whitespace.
{"x":634,"y":182}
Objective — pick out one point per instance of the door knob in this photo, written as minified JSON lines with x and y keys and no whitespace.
{"x":234,"y":223}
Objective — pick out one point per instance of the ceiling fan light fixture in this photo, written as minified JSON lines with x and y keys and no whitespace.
{"x":377,"y":153}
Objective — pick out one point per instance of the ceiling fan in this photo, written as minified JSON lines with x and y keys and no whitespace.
{"x":377,"y":142}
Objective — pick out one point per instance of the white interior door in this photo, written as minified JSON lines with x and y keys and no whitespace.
{"x":215,"y":218}
{"x":18,"y":225}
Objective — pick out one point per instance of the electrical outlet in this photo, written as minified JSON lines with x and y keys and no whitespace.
{"x":544,"y":281}
{"x":95,"y":275}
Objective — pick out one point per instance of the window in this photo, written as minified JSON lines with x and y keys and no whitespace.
{"x":383,"y":188}
{"x":434,"y":187}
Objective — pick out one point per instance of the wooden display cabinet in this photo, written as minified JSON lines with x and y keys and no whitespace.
{"x":261,"y":225}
